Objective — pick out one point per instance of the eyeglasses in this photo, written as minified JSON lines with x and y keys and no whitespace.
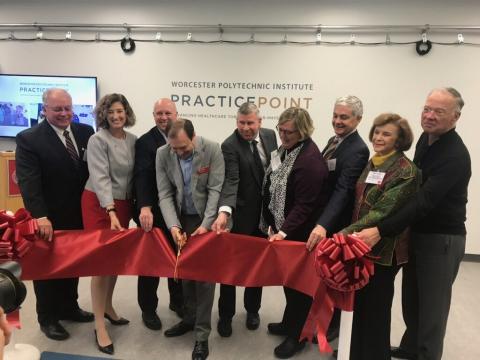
{"x":438,"y":112}
{"x":285,"y":131}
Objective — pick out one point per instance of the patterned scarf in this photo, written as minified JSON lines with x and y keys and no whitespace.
{"x":278,"y":188}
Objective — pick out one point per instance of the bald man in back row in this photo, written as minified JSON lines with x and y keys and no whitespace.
{"x":148,"y":213}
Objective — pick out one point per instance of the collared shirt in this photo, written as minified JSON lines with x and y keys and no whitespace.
{"x":188,"y":206}
{"x":59,"y":133}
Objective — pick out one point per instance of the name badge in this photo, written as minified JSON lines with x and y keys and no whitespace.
{"x":332,"y":164}
{"x":275,"y":161}
{"x":375,"y":177}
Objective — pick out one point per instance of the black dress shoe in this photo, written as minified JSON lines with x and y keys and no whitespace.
{"x":399,"y":353}
{"x":105,"y":349}
{"x":177,"y":309}
{"x":118,"y":322}
{"x":277,"y":329}
{"x":200,"y":351}
{"x":224,"y":327}
{"x":151,"y":320}
{"x":288,"y":348}
{"x":179,"y":329}
{"x":253,"y":321}
{"x":79,"y":315}
{"x":55,"y":331}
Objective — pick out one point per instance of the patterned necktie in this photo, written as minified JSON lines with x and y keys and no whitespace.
{"x":327,"y":154}
{"x":256,"y":158}
{"x":71,"y":148}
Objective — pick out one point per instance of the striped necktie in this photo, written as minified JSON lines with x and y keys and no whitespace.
{"x":327,"y":154}
{"x":71,"y":148}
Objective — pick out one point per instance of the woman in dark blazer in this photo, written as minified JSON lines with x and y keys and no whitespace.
{"x":388,"y":181}
{"x":293,"y":198}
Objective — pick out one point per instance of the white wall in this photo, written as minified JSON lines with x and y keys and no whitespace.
{"x":392,"y":78}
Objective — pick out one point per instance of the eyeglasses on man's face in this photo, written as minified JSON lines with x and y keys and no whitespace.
{"x":436,"y":111}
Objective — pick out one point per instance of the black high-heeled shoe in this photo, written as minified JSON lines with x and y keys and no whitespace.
{"x":109,"y":349}
{"x":121,"y":321}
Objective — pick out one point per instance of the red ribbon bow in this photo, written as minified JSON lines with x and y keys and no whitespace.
{"x":342,"y":262}
{"x":18,"y":233}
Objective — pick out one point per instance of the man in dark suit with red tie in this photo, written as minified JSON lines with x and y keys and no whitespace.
{"x":148,"y":211}
{"x":346,"y":155}
{"x":51,"y":175}
{"x":247,"y":155}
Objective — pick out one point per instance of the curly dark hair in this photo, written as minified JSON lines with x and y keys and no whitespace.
{"x":104,"y":104}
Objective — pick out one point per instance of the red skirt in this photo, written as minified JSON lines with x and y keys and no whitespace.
{"x":95,"y":217}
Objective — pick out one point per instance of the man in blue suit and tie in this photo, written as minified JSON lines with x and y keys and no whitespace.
{"x":346,"y":155}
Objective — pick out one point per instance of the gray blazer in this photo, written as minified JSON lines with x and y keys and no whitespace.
{"x":110,"y":163}
{"x":208,"y":172}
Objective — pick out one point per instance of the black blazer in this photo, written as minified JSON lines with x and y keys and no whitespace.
{"x":351,"y":158}
{"x":50,"y":183}
{"x":242,"y":188}
{"x":305,"y":196}
{"x":144,"y":178}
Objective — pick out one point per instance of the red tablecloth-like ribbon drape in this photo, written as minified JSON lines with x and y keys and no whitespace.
{"x":225,"y":258}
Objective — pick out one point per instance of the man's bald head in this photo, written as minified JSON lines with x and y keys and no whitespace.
{"x":57,"y":107}
{"x":164,"y":113}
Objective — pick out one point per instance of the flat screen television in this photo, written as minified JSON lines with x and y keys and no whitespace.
{"x":21,"y":99}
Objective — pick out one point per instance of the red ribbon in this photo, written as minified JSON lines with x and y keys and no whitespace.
{"x":343,"y":265}
{"x":225,"y":258}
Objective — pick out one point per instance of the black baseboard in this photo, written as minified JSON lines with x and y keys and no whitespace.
{"x":471,"y":257}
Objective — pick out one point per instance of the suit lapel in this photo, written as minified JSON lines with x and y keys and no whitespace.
{"x":328,"y":144}
{"x":247,"y":152}
{"x":196,"y":162}
{"x":177,"y":175}
{"x":265,"y":146}
{"x":79,"y":139}
{"x":253,"y":166}
{"x":157,"y":137}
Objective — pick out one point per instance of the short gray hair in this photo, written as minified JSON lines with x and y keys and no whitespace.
{"x":353,"y":103}
{"x":455,"y":94}
{"x":248,"y":108}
